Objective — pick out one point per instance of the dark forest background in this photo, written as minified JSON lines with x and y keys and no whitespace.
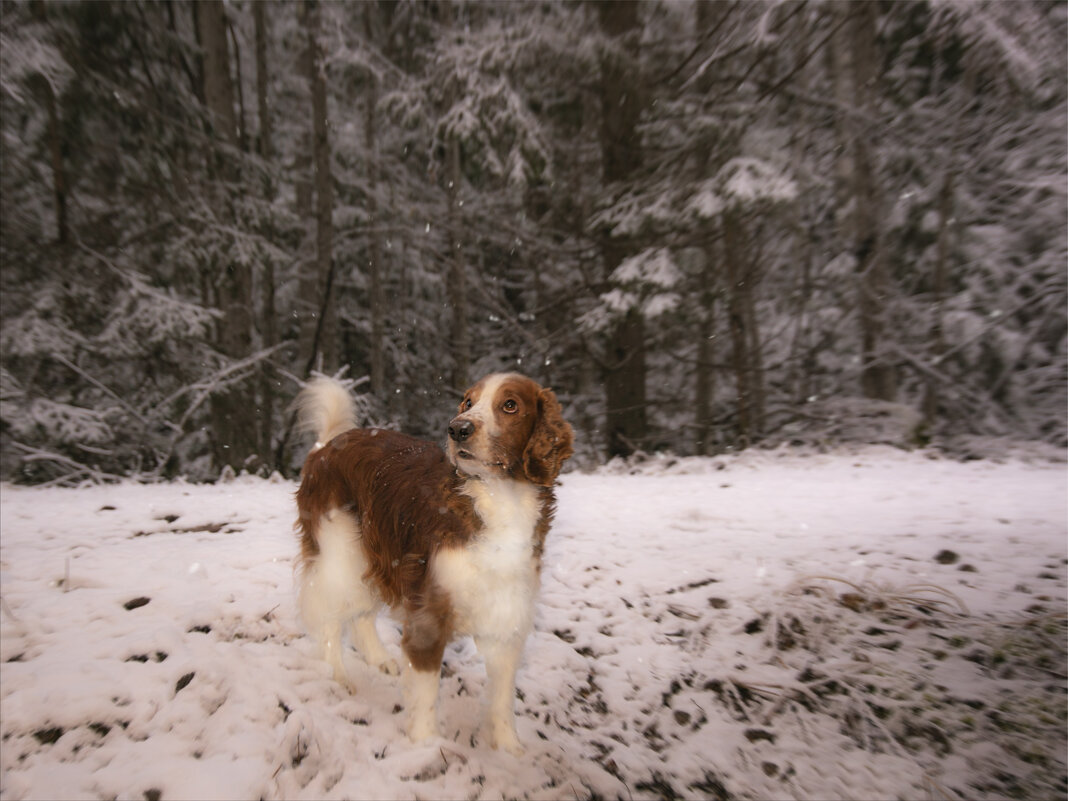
{"x":707,"y":225}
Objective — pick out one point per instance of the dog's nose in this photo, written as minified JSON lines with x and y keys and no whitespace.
{"x":460,"y":430}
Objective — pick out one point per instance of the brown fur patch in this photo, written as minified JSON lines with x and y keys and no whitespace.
{"x":404,"y":494}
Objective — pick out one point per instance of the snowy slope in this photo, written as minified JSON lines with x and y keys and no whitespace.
{"x":871,"y":624}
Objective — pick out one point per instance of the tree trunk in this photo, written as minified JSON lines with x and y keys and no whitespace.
{"x":705,"y":376}
{"x":747,"y":293}
{"x":218,"y":86}
{"x":707,"y":14}
{"x":268,"y":312}
{"x":324,"y":343}
{"x":55,"y":150}
{"x":308,"y":296}
{"x":802,"y":359}
{"x":233,"y":425}
{"x":736,"y":320}
{"x":854,"y":71}
{"x":456,"y":282}
{"x":938,"y":293}
{"x":266,"y":146}
{"x":455,"y":278}
{"x":624,"y":365}
{"x":242,"y":130}
{"x":625,"y":386}
{"x":374,"y":266}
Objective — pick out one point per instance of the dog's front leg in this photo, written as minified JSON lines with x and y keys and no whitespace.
{"x":423,"y":642}
{"x":502,"y":661}
{"x":421,"y":690}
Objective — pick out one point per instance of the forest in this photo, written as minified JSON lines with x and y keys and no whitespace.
{"x":707,"y":225}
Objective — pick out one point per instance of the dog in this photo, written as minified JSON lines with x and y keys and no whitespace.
{"x":451,"y":538}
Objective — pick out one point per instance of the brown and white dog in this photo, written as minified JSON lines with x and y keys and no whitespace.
{"x":452,"y":538}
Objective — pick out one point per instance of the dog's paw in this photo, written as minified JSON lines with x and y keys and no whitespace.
{"x":504,"y":738}
{"x":342,"y":678}
{"x":421,"y":728}
{"x":389,"y":667}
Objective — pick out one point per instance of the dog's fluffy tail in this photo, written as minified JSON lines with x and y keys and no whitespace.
{"x":325,"y":407}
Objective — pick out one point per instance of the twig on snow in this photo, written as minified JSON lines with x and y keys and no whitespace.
{"x":8,"y":612}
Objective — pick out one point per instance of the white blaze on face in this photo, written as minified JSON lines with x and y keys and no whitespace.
{"x":479,"y":447}
{"x":482,"y":412}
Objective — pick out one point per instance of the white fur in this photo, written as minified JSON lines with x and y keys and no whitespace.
{"x":480,"y":445}
{"x":502,"y":661}
{"x":325,"y":407}
{"x":421,"y":697}
{"x":333,"y":592}
{"x":482,"y":412}
{"x":492,"y":583}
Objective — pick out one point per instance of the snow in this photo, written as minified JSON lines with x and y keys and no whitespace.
{"x":660,"y":304}
{"x":643,"y":282}
{"x":27,"y":55}
{"x":768,"y":624}
{"x":747,"y":180}
{"x":653,"y":266}
{"x":706,"y":202}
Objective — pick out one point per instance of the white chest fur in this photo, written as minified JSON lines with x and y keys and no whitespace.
{"x":492,"y":581}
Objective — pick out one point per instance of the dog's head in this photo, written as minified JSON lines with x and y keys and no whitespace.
{"x":510,"y":426}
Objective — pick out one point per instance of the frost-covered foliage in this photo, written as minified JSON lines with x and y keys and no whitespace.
{"x":109,"y":329}
{"x":146,"y":317}
{"x":644,"y":282}
{"x":63,"y":422}
{"x":748,"y":181}
{"x":28,"y":52}
{"x":158,"y":279}
{"x":974,"y":317}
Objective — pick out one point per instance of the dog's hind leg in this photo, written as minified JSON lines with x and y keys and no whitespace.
{"x":332,"y":590}
{"x":365,"y":638}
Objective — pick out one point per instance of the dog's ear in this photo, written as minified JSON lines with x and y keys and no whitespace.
{"x":551,"y":442}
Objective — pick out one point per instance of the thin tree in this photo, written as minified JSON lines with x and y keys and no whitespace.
{"x":738,"y":326}
{"x":854,"y":53}
{"x":377,"y":297}
{"x":456,"y":277}
{"x":268,"y":310}
{"x":233,"y":428}
{"x":323,"y":345}
{"x":707,"y":16}
{"x":621,"y":105}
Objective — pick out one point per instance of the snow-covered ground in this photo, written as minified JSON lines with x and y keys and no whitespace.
{"x":862,"y":624}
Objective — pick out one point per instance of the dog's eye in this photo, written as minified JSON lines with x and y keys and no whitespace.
{"x":510,"y":406}
{"x":466,"y":404}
